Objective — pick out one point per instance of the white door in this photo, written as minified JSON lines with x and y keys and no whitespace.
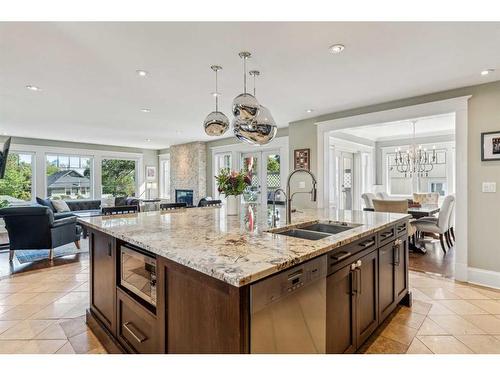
{"x":345,"y":178}
{"x":265,"y":169}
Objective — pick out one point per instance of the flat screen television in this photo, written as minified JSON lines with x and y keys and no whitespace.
{"x":3,"y":157}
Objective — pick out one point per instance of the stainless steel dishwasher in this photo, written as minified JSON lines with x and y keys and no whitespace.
{"x":288,"y":310}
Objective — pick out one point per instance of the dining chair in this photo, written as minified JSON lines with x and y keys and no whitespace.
{"x":368,"y":198}
{"x":439,"y":225}
{"x":396,"y":206}
{"x":119,"y":210}
{"x":426,"y":198}
{"x":172,"y":206}
{"x":383,"y":195}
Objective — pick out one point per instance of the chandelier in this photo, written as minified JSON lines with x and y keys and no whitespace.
{"x":252,"y":123}
{"x":416,"y":161}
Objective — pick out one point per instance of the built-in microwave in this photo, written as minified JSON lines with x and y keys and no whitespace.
{"x":138,"y":273}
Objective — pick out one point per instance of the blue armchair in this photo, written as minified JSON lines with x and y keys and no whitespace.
{"x":34,"y":227}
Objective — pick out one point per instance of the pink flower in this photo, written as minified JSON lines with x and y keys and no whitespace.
{"x":234,"y":174}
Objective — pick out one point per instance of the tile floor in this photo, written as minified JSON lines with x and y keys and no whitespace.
{"x":43,"y":311}
{"x":446,"y":318}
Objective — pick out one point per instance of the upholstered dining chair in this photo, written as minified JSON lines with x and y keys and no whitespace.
{"x":396,"y":206}
{"x":367,"y":199}
{"x":383,"y":195}
{"x":441,"y":225}
{"x":172,"y":206}
{"x":426,"y":198}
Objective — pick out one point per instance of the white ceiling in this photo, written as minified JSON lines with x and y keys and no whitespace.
{"x":92,"y":94}
{"x":424,"y":127}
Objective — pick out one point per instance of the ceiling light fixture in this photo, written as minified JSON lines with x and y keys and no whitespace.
{"x":145,"y":110}
{"x":216,"y":123}
{"x":309,"y":110}
{"x":33,"y":88}
{"x":262,"y":129}
{"x":487,"y":71}
{"x":141,"y":73}
{"x":148,"y":140}
{"x":336,"y":48}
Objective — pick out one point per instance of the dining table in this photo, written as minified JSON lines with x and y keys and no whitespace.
{"x":424,"y":210}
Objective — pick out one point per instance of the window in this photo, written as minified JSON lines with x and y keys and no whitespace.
{"x":165,"y":178}
{"x":118,"y":177}
{"x":18,"y":180}
{"x":69,"y":177}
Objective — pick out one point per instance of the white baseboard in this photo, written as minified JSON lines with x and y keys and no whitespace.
{"x":461,"y":272}
{"x":484,"y":277}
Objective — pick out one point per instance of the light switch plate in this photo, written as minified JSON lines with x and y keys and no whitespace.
{"x":489,"y":187}
{"x":302,"y":184}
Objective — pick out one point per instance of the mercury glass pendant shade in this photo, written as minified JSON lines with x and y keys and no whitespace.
{"x":245,"y":107}
{"x":216,"y":123}
{"x":254,"y":133}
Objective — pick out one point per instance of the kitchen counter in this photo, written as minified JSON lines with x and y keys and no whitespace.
{"x":238,"y":250}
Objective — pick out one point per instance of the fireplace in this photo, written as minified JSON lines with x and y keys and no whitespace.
{"x":184,"y":196}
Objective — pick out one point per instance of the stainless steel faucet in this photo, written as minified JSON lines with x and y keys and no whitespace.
{"x":289,"y":195}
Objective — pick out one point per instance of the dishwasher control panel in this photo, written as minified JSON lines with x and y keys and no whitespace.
{"x":273,"y":288}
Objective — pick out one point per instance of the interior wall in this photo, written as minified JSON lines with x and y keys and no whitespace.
{"x":282,"y":132}
{"x":483,"y":116}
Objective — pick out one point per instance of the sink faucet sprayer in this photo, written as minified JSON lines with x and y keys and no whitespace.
{"x":289,"y":195}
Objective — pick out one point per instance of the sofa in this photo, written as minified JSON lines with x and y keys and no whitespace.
{"x":35,"y":227}
{"x":85,"y":205}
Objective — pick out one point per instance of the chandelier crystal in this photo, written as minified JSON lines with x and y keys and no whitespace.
{"x":416,"y":161}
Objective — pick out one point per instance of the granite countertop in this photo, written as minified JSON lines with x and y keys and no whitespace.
{"x":235,"y":249}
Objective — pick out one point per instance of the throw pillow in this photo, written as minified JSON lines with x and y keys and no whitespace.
{"x":60,"y":205}
{"x":107,"y":202}
{"x":45,"y":202}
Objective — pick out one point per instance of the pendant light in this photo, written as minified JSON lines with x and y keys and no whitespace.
{"x":216,"y":123}
{"x":245,"y":106}
{"x":262,"y":129}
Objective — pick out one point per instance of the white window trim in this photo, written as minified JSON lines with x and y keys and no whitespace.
{"x":278,"y":144}
{"x":162,"y":158}
{"x":41,"y":152}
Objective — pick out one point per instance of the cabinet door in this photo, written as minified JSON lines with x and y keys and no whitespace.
{"x":401,"y":259}
{"x":340,"y":312}
{"x":367,"y":296}
{"x":387,"y":278}
{"x":103,"y":278}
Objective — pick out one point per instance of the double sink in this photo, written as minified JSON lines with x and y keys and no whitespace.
{"x":318,"y":230}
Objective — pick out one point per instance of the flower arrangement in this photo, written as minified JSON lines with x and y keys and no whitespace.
{"x":232,"y":183}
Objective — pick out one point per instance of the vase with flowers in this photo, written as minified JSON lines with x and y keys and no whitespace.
{"x":232,"y":184}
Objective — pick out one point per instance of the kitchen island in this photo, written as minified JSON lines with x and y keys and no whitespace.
{"x":198,"y":281}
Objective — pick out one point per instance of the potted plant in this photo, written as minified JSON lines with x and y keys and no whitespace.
{"x":232,"y":184}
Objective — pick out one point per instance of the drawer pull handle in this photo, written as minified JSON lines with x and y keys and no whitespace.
{"x":386,"y":234}
{"x":367,"y":243}
{"x":341,"y":256}
{"x":134,"y":332}
{"x":109,"y":248}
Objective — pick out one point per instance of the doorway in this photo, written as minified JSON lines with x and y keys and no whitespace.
{"x":265,"y":170}
{"x":345,"y":179}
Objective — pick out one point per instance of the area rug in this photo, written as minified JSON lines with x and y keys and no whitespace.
{"x":27,"y":256}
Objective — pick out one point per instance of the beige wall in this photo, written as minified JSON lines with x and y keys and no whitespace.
{"x":484,"y":209}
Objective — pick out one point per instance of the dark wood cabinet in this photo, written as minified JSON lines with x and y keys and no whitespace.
{"x":352,"y":304}
{"x":341,"y":311}
{"x":393,"y":274}
{"x":137,"y":327}
{"x":103,"y":278}
{"x":367,"y":296}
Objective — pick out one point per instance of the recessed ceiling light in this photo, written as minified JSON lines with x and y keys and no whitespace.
{"x":33,"y":88}
{"x":148,"y":140}
{"x":214,"y":94}
{"x":487,"y":71}
{"x":145,"y":110}
{"x":141,"y":73}
{"x":336,"y":48}
{"x":309,"y":110}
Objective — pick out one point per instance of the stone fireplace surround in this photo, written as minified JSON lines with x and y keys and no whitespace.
{"x":188,"y":169}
